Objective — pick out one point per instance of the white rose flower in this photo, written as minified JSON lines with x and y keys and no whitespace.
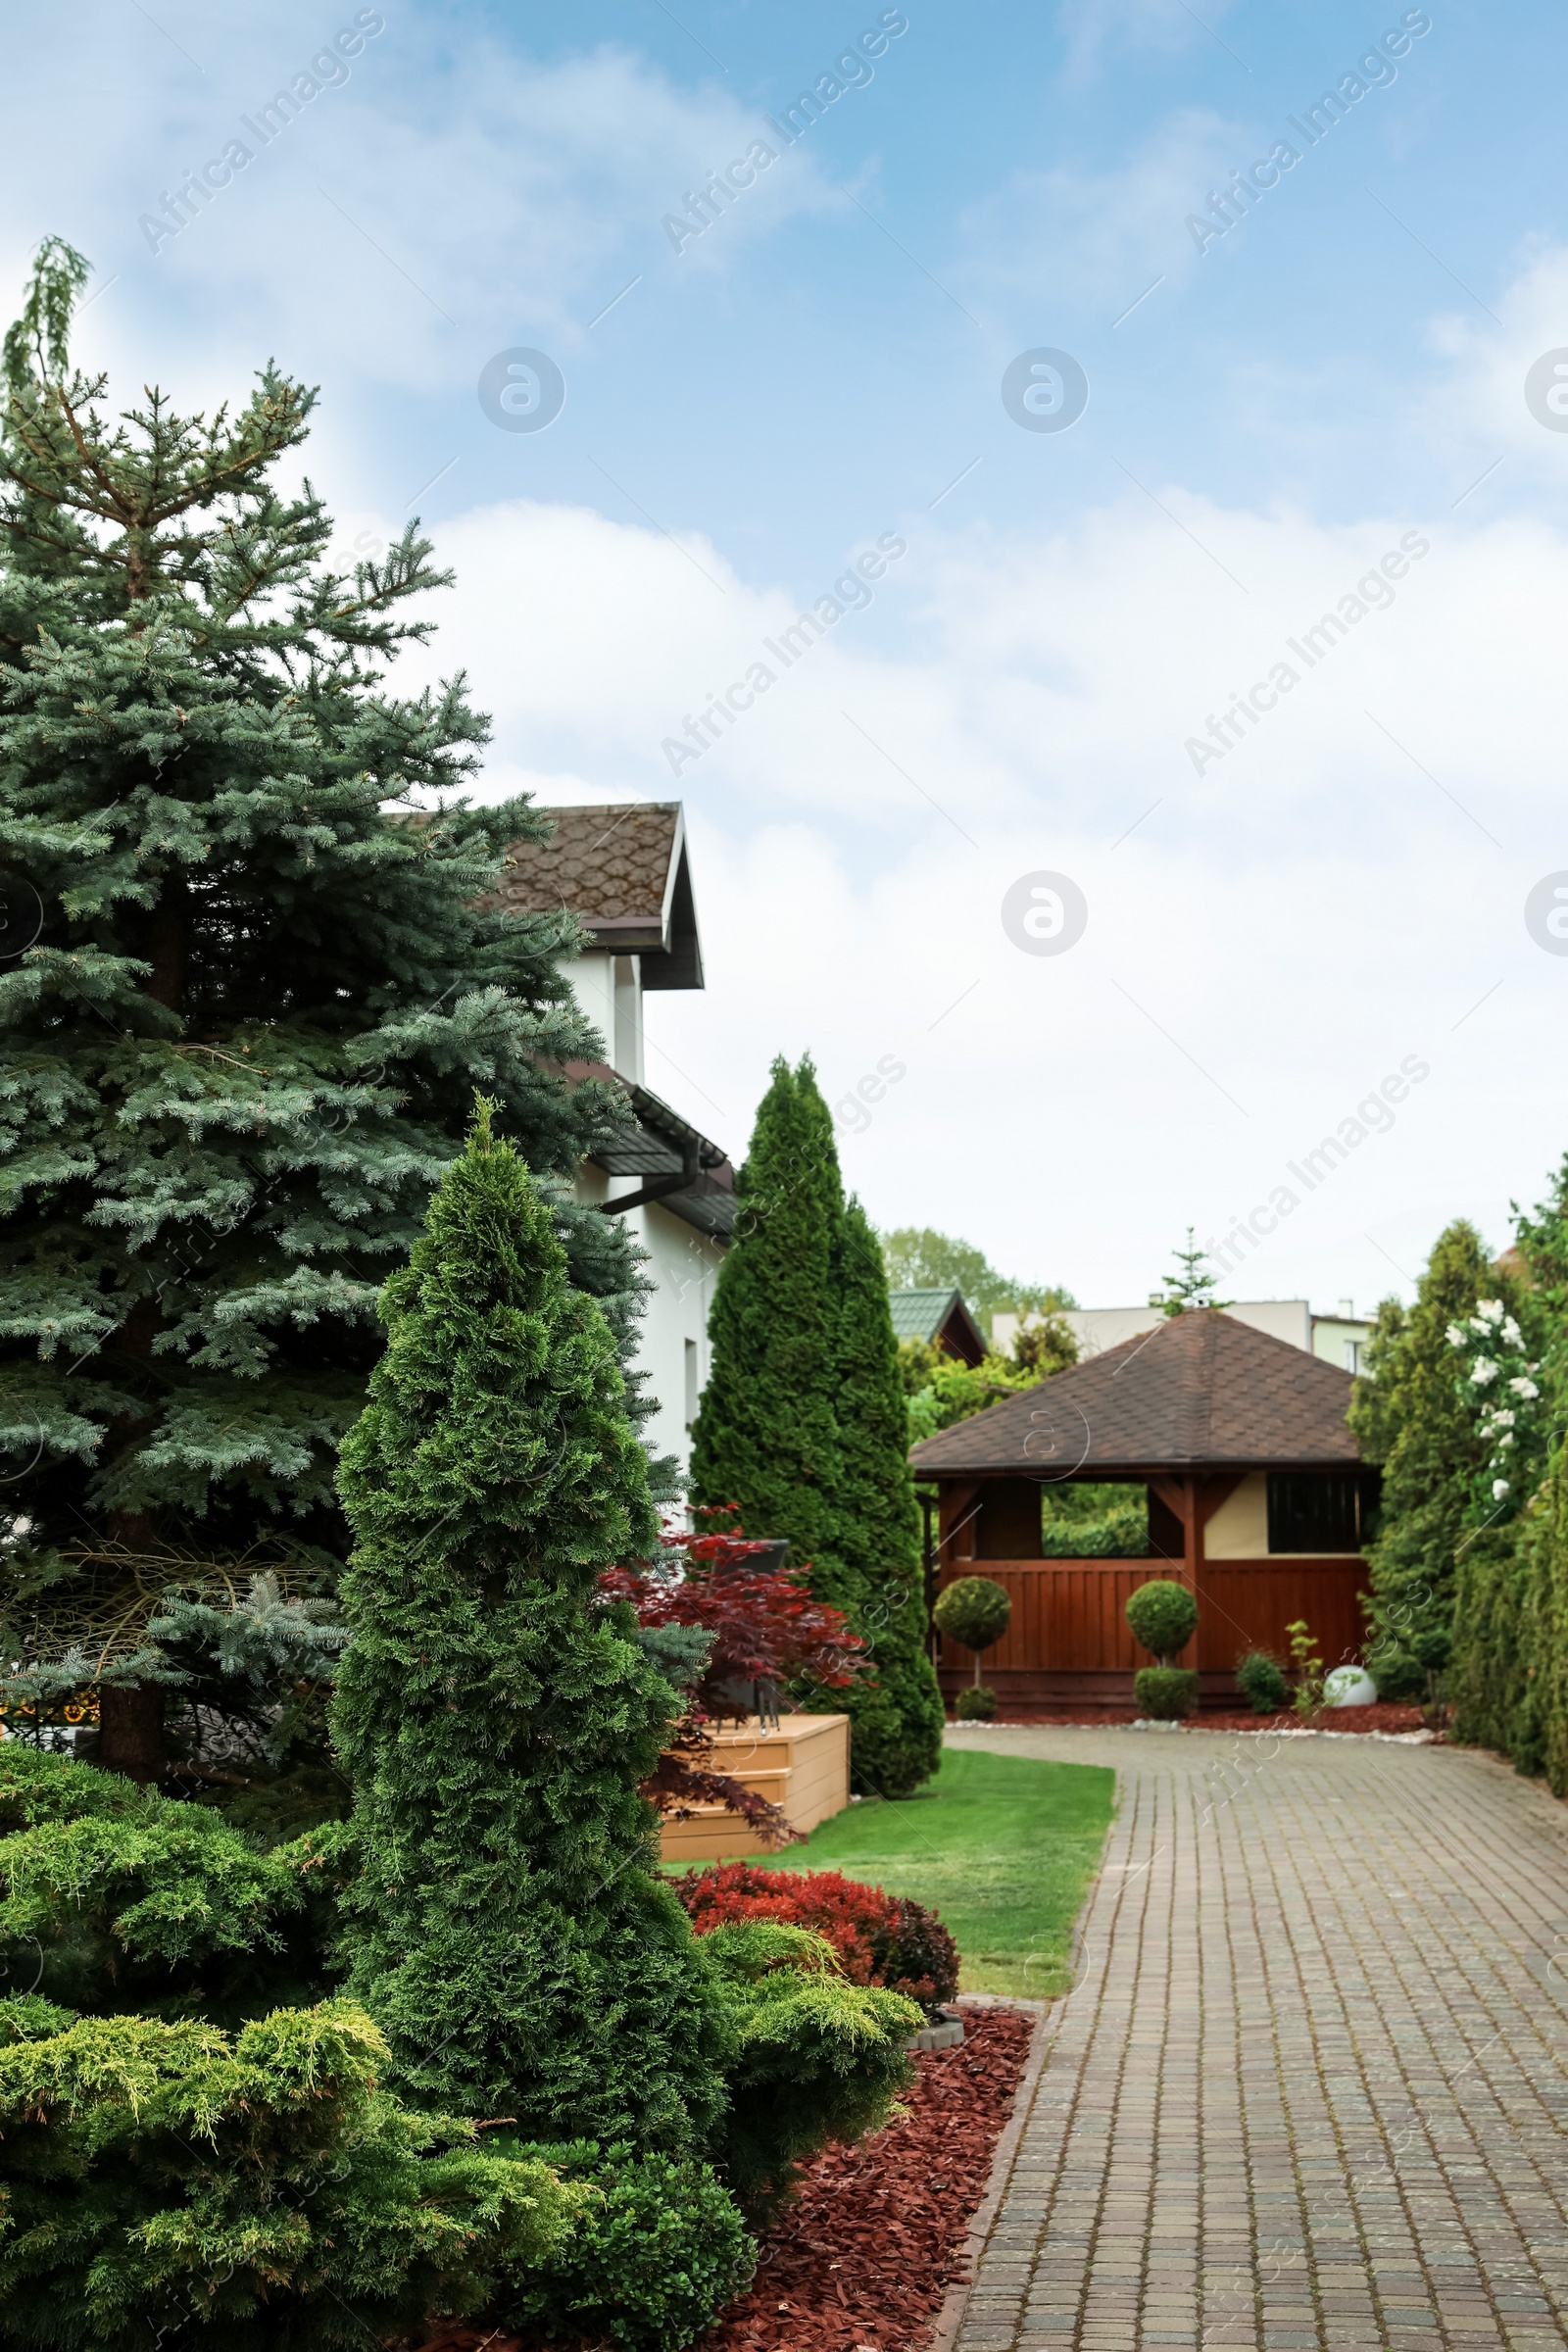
{"x":1524,"y":1388}
{"x":1455,"y":1336}
{"x":1500,"y":1488}
{"x":1483,"y":1370}
{"x":1512,"y":1333}
{"x":1488,"y":1312}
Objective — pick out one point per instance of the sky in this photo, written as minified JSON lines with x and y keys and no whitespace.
{"x":1064,"y":368}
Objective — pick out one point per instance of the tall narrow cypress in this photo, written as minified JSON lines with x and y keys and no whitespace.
{"x":899,"y":1727}
{"x":509,"y":1934}
{"x":795,"y":1422}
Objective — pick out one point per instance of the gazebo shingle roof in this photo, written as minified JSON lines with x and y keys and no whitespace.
{"x":1202,"y":1391}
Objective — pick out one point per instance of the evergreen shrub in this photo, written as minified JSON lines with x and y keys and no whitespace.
{"x":263,"y":2194}
{"x":880,"y":1938}
{"x":1263,"y":1682}
{"x":658,"y":2252}
{"x":1167,"y":1694}
{"x":977,"y":1703}
{"x":496,"y":1715}
{"x":1163,"y":1618}
{"x":974,"y":1611}
{"x":816,"y":2057}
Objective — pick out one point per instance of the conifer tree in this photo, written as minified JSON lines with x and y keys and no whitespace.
{"x":766,"y":1432}
{"x":508,"y":1933}
{"x":1411,"y":1420}
{"x":245,"y":1001}
{"x":794,"y":1419}
{"x":898,"y":1725}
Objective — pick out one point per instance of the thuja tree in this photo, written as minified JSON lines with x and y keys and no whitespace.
{"x":899,"y":1719}
{"x":1411,"y":1420}
{"x":795,"y":1425}
{"x":508,"y":1933}
{"x":250,"y":980}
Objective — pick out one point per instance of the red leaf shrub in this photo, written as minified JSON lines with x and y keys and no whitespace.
{"x":765,"y":1626}
{"x":880,"y":1938}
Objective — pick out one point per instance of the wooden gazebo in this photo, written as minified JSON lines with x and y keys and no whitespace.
{"x":1257,"y":1500}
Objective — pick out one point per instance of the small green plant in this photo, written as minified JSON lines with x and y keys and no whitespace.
{"x":1309,"y":1697}
{"x":1263,"y":1682}
{"x":1167,"y":1694}
{"x":976,"y":1705}
{"x":1163,"y":1617}
{"x":974,"y":1612}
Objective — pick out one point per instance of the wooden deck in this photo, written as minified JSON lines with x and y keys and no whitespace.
{"x":1068,"y":1650}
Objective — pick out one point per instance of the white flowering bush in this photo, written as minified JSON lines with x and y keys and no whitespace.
{"x":1500,"y":1385}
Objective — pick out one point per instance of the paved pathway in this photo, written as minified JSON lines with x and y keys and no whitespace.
{"x":1311,"y":2088}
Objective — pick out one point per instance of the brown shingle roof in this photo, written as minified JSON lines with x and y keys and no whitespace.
{"x":623,"y":869}
{"x":1202,"y":1389}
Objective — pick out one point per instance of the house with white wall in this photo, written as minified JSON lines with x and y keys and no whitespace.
{"x":1333,"y":1339}
{"x":623,"y":871}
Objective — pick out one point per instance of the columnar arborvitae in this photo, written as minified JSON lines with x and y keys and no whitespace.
{"x":795,"y":1421}
{"x":766,"y":1435}
{"x":1411,"y":1420}
{"x":897,"y":1726}
{"x":245,"y":1001}
{"x":508,"y":1933}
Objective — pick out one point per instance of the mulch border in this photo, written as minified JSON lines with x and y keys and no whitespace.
{"x":944,"y":2332}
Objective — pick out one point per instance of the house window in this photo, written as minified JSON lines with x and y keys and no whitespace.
{"x":1352,"y":1355}
{"x":691,"y":1382}
{"x":1315,"y":1511}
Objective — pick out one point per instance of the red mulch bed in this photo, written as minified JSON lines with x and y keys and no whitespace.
{"x":875,"y":2238}
{"x":1384,"y":1716}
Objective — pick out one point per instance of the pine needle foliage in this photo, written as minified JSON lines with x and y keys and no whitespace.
{"x":496,"y":1718}
{"x":251,"y":966}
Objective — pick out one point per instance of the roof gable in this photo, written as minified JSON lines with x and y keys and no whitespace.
{"x":1201,"y":1391}
{"x":623,"y":869}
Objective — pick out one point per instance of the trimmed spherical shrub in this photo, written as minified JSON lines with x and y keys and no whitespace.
{"x":1162,"y":1617}
{"x":972,"y":1611}
{"x":880,"y":1938}
{"x":1169,"y":1694}
{"x":977,"y":1706}
{"x":1263,"y":1682}
{"x":660,"y":2250}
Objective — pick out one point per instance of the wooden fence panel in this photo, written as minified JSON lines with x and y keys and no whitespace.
{"x":1069,"y":1616}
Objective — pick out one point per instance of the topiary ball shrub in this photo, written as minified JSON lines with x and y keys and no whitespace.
{"x":880,"y":1938}
{"x":1163,"y":1618}
{"x":972,"y":1611}
{"x":1169,"y":1694}
{"x":657,"y":2253}
{"x":976,"y":1705}
{"x":1263,"y":1682}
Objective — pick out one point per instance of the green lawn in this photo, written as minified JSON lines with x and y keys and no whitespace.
{"x":1002,"y":1848}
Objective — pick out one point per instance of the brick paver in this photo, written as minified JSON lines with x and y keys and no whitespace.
{"x":1311,"y":2087}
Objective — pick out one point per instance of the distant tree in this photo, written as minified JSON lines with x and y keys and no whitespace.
{"x":918,"y":1259}
{"x":1192,"y":1284}
{"x":1410,"y":1419}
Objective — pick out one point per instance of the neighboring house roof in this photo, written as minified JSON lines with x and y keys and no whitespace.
{"x":1202,"y":1391}
{"x":933,"y":1315}
{"x":624,"y":871}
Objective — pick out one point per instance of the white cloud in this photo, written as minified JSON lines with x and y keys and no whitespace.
{"x":1268,"y":945}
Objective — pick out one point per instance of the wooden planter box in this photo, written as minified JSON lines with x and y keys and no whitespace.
{"x":804,"y":1767}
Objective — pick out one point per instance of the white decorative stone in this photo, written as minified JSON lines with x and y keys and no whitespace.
{"x":1349,"y":1686}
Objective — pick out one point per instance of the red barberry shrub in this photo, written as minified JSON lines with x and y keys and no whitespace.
{"x":880,"y":1938}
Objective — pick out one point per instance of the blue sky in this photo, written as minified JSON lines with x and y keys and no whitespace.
{"x":1274,"y":923}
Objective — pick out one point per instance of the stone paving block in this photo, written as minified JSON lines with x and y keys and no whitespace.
{"x":1312,"y":2087}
